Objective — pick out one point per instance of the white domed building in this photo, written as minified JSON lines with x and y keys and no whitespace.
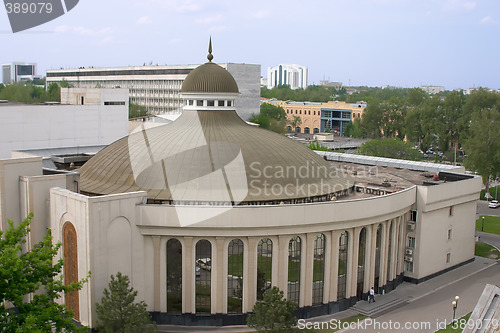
{"x":206,"y":213}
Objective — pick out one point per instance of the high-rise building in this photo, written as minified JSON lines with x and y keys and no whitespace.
{"x":19,"y":71}
{"x":287,"y":74}
{"x":157,"y":87}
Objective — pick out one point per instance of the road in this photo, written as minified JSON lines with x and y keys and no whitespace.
{"x":483,"y":209}
{"x":431,"y":312}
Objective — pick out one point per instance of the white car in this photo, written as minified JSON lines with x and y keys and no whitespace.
{"x":204,"y":263}
{"x":494,"y":204}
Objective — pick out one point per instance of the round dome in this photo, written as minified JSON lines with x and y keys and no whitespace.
{"x":209,"y":78}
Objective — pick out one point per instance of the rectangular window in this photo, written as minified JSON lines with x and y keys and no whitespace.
{"x":411,"y":242}
{"x":309,"y":112}
{"x":448,"y":257}
{"x":199,"y":103}
{"x":409,"y":266}
{"x":229,"y":103}
{"x":450,"y":233}
{"x":114,"y":103}
{"x":413,"y":215}
{"x":220,"y":103}
{"x":211,"y":103}
{"x":451,"y":210}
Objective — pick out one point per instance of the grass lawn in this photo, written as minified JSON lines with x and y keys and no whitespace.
{"x":491,"y":224}
{"x":456,"y":326}
{"x":486,"y":251}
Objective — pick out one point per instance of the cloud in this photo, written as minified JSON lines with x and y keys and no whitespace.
{"x":210,"y":19}
{"x":457,"y":5}
{"x":79,"y":30}
{"x":144,"y":20}
{"x":487,"y":20}
{"x":261,"y":14}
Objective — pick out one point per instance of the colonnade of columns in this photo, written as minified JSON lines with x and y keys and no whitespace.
{"x":391,"y":265}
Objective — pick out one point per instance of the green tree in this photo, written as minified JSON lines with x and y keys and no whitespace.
{"x":483,"y":143}
{"x":28,"y":281}
{"x":353,"y":129}
{"x":420,"y":122}
{"x":271,"y":117}
{"x":54,"y":92}
{"x":273,"y":313}
{"x":135,"y":110}
{"x":117,"y":311}
{"x":391,"y":148}
{"x":295,"y":122}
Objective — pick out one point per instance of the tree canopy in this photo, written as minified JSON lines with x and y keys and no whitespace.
{"x":29,"y":93}
{"x":30,"y":284}
{"x":136,"y":110}
{"x":391,"y":148}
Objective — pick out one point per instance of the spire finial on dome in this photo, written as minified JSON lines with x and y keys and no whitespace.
{"x":210,"y":56}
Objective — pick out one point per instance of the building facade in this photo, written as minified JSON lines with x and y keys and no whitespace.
{"x":19,"y":71}
{"x":157,"y":87}
{"x":287,"y":74}
{"x":102,"y":119}
{"x":319,"y":117}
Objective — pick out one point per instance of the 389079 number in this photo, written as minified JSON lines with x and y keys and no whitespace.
{"x":25,"y":7}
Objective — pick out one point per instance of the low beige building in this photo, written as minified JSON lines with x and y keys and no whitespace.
{"x":206,"y":213}
{"x":319,"y":117}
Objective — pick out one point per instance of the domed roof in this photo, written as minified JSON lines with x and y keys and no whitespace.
{"x":209,"y":78}
{"x":211,"y":156}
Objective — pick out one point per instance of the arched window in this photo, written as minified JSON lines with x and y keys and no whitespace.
{"x":70,"y":253}
{"x":203,"y":273}
{"x":264,"y":266}
{"x":361,"y":263}
{"x":174,"y":275}
{"x":235,"y":276}
{"x":297,"y":129}
{"x":318,"y":269}
{"x":316,"y":130}
{"x":306,"y":130}
{"x":342,"y":280}
{"x":289,"y":128}
{"x":294,"y":258}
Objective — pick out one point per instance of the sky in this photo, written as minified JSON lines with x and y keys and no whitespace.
{"x":403,"y":43}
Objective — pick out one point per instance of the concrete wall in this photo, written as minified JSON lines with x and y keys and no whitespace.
{"x":108,"y":241}
{"x":10,"y":188}
{"x":49,"y":126}
{"x":434,"y":220}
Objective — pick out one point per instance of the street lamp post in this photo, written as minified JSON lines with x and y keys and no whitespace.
{"x":454,"y":304}
{"x":482,"y":225}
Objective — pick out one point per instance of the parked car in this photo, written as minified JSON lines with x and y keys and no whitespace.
{"x":494,"y":204}
{"x":204,"y":263}
{"x":198,"y":270}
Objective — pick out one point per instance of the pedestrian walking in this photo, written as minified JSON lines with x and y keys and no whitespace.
{"x":372,"y":295}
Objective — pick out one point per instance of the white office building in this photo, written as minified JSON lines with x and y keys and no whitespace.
{"x":158,"y":87}
{"x":285,"y":74}
{"x":19,"y":71}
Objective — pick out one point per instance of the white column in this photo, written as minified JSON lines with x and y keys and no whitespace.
{"x":333,"y":270}
{"x":283,"y":263}
{"x":156,"y":272}
{"x":250,"y":276}
{"x":188,"y":281}
{"x":308,"y":258}
{"x":354,"y":261}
